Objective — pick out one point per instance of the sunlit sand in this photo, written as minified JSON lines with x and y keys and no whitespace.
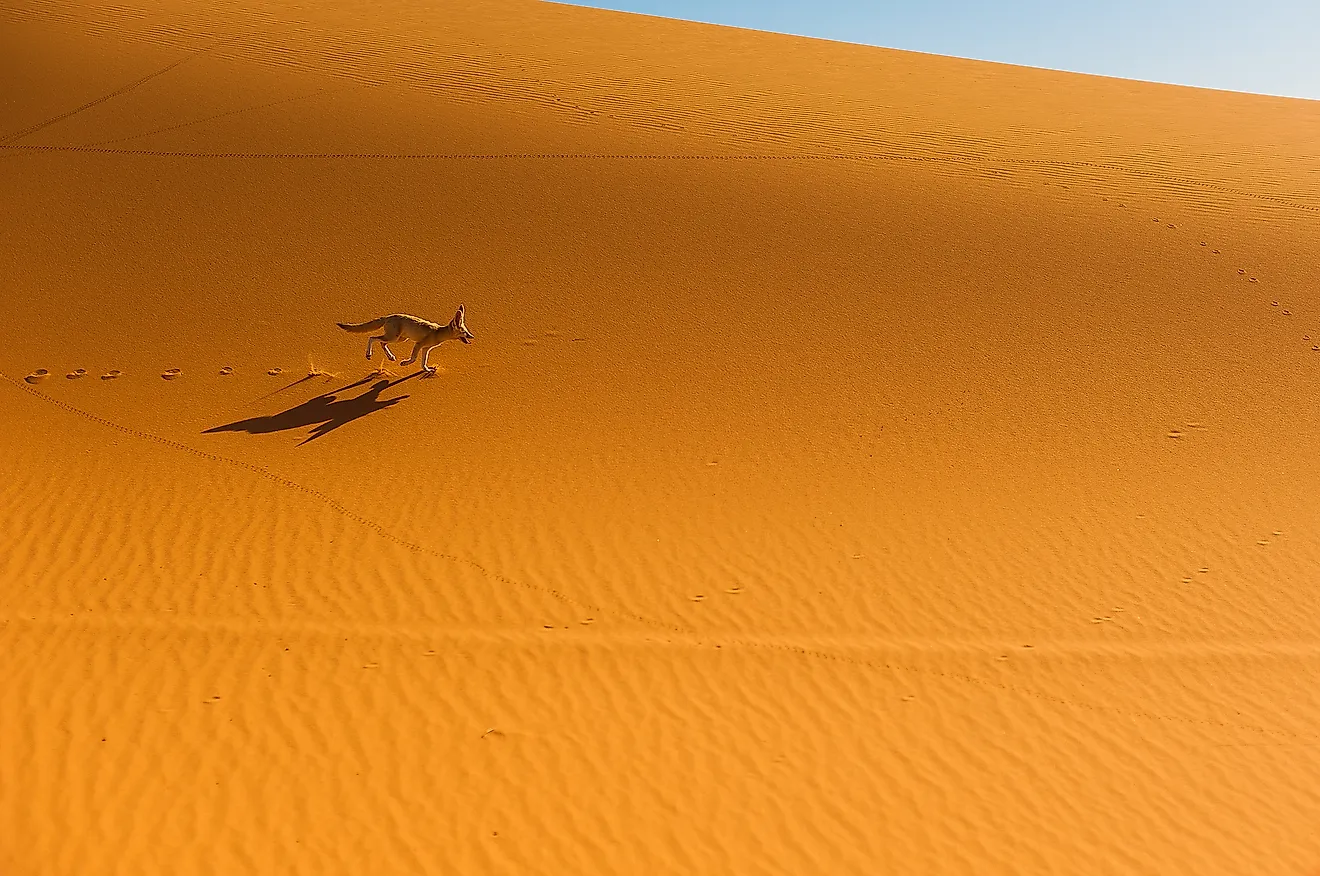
{"x":866,"y":462}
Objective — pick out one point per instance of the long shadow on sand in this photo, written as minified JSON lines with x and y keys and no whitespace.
{"x":325,"y":413}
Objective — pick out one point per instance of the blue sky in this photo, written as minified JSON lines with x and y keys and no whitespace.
{"x":1265,"y":46}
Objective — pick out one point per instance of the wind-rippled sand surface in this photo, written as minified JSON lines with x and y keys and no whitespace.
{"x":867,"y":462}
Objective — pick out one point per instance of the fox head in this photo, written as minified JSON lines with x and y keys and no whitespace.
{"x":460,"y":327}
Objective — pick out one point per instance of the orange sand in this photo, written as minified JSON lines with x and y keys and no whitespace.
{"x":867,"y":463}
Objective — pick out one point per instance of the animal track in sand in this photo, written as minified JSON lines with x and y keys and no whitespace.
{"x":112,"y":374}
{"x":76,"y":374}
{"x":172,"y":374}
{"x":37,"y":376}
{"x":227,"y":370}
{"x":1244,"y":272}
{"x":276,"y":371}
{"x":1179,"y":433}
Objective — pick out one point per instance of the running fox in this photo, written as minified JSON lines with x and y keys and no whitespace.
{"x":425,"y":335}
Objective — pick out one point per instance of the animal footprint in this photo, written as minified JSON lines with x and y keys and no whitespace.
{"x":37,"y":376}
{"x":226,"y":371}
{"x":276,"y":371}
{"x":77,"y":373}
{"x":111,"y":374}
{"x":172,"y":374}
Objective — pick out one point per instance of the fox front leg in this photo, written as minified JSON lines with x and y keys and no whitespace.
{"x":426,"y":359}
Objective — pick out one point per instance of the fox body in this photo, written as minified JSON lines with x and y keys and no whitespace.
{"x":425,"y":335}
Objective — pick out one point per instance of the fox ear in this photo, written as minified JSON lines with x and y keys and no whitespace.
{"x":458,"y":317}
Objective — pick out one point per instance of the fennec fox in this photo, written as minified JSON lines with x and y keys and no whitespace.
{"x":425,"y":335}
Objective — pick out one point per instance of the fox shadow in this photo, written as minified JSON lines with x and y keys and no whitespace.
{"x":325,"y":413}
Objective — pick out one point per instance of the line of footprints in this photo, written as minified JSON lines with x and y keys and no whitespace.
{"x":114,"y":374}
{"x":1187,"y":579}
{"x":1191,"y":426}
{"x":41,"y":374}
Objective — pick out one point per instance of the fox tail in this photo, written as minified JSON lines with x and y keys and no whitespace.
{"x":369,"y":326}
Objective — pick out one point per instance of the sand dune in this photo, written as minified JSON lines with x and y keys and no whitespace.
{"x":868,"y":462}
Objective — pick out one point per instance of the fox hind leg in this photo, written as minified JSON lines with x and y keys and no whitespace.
{"x":381,"y":338}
